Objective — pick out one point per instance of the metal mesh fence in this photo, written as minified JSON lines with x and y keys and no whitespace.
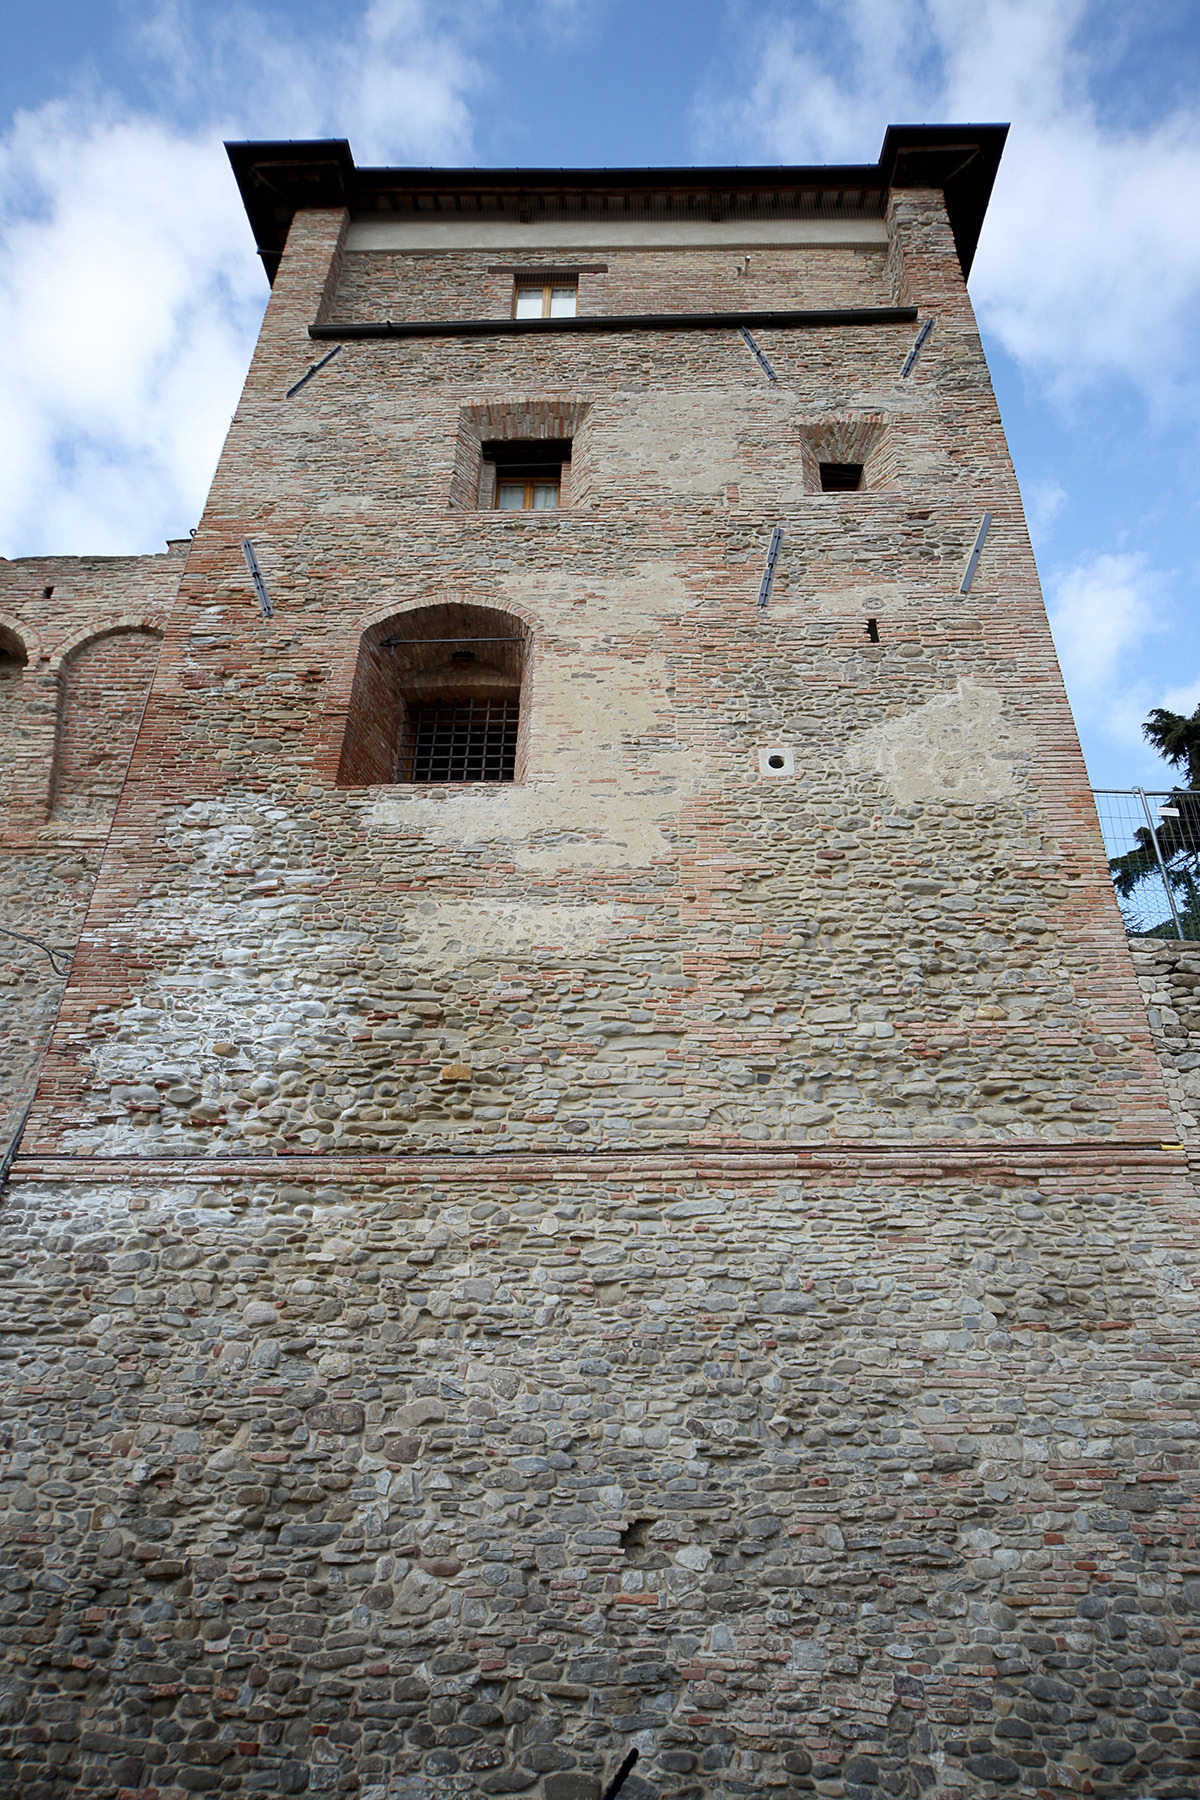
{"x":1153,"y":846}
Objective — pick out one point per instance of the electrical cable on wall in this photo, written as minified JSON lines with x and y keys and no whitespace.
{"x":44,"y":948}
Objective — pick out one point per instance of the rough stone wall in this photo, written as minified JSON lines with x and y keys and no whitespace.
{"x":43,"y":895}
{"x":800,"y":1474}
{"x":1168,"y":974}
{"x":660,"y":1254}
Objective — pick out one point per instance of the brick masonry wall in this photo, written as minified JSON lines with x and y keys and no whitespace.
{"x":377,"y":284}
{"x":658,"y":1254}
{"x":105,"y":686}
{"x":61,"y":610}
{"x":71,"y":697}
{"x":690,"y":952}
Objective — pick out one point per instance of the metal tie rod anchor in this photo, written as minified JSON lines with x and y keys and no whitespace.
{"x":260,"y":586}
{"x":757,"y":354}
{"x":764,"y":592}
{"x":913,"y":354}
{"x":977,"y":551}
{"x":311,"y":371}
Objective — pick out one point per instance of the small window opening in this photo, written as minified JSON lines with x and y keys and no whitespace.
{"x":535,"y":299}
{"x":873,"y":630}
{"x":526,"y":474}
{"x":841,"y":478}
{"x":437,"y":699}
{"x":48,"y":591}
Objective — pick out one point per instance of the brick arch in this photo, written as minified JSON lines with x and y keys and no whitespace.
{"x":376,"y":622}
{"x":103,"y":678}
{"x":153,"y":623}
{"x":15,"y":633}
{"x":372,"y":686}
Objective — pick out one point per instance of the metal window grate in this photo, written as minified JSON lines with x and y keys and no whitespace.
{"x":461,"y":740}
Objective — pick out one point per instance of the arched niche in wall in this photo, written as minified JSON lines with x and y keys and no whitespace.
{"x":438,"y":697}
{"x":103,"y":683}
{"x":14,"y":657}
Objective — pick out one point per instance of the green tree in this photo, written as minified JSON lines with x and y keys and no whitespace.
{"x":1176,"y":737}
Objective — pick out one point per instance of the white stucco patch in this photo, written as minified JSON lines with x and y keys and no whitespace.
{"x":688,"y":443}
{"x":603,"y":784}
{"x":959,"y":746}
{"x":454,"y":931}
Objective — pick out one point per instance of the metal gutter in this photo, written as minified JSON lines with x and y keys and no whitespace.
{"x":787,"y":320}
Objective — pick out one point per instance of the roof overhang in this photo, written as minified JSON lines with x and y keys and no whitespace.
{"x":277,"y":180}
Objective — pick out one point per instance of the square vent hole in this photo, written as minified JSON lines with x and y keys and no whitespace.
{"x":840,"y":478}
{"x":776,"y":760}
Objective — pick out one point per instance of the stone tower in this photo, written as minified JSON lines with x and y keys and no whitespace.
{"x":602,"y":1180}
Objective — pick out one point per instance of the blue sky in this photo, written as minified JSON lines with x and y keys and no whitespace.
{"x":128,"y":320}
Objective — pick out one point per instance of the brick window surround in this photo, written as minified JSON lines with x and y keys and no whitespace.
{"x":438,"y":697}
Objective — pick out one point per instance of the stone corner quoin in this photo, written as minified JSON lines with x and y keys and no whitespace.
{"x":603,"y":1176}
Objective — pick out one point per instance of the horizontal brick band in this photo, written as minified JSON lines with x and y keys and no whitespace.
{"x":783,"y":320}
{"x":734,"y":1162}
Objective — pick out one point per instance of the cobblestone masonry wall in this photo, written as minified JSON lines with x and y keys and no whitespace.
{"x":806,"y":1475}
{"x":655,"y":1255}
{"x":1169,"y":974}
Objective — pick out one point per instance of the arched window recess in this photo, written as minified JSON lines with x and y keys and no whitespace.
{"x":437,"y":699}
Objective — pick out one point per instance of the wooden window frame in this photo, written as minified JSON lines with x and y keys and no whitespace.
{"x":530,"y":481}
{"x":527,"y":284}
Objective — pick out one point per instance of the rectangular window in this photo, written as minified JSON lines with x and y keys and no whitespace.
{"x":460,"y":740}
{"x":534,"y":299}
{"x":526,"y":496}
{"x":524,"y":474}
{"x":841,"y":478}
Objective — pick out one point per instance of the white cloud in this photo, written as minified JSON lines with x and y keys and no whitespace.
{"x":397,"y":78}
{"x":1089,"y":265}
{"x":129,"y":290}
{"x":1181,"y":699}
{"x":129,"y":299}
{"x":1043,"y":501}
{"x":1100,"y":610}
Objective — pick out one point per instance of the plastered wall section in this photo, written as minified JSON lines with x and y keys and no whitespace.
{"x":645,"y":940}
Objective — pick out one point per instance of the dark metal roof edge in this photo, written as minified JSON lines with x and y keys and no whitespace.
{"x":780,"y":319}
{"x":277,"y":177}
